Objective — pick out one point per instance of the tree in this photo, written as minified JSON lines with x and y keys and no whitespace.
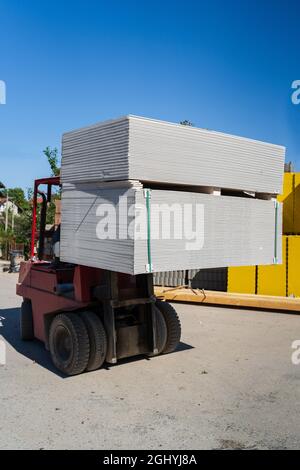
{"x":2,"y":189}
{"x":22,"y":229}
{"x":53,"y":160}
{"x":17,"y":196}
{"x":6,"y":237}
{"x":29,"y":194}
{"x":186,"y":123}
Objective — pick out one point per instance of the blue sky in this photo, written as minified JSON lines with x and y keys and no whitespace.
{"x":224,"y":65}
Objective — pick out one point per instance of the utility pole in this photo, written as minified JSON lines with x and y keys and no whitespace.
{"x":6,"y":222}
{"x":6,"y":212}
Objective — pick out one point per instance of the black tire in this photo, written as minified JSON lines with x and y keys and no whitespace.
{"x":98,"y":340}
{"x":69,"y":343}
{"x":161,"y":332}
{"x":26,"y":321}
{"x":173,"y":326}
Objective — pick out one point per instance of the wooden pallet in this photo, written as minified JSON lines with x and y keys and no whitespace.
{"x":228,"y":299}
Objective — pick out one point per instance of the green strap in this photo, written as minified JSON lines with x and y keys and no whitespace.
{"x":276,"y":235}
{"x":147,"y":193}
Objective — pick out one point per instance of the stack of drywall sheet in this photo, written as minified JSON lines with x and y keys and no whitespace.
{"x":169,"y":278}
{"x":216,"y":231}
{"x":83,"y":208}
{"x":156,"y":151}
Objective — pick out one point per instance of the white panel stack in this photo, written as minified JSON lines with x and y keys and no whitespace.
{"x":169,"y":278}
{"x":236,"y":230}
{"x":107,"y":165}
{"x":155,"y":151}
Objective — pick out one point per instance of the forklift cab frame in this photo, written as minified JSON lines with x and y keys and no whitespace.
{"x":46,"y":198}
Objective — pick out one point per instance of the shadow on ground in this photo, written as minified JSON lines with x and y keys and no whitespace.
{"x":35,"y":350}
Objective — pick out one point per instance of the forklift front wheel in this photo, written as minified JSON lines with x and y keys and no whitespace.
{"x":161,"y":332}
{"x":69,"y":343}
{"x":173,"y":326}
{"x":98,"y":340}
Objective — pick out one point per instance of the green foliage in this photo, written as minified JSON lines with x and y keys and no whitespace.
{"x":22,"y":229}
{"x":17,"y":196}
{"x":53,"y":160}
{"x":21,"y":232}
{"x":50,"y":218}
{"x":6,"y":237}
{"x":29,"y":194}
{"x":186,"y":123}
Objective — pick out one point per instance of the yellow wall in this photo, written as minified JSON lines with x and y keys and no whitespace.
{"x":291,"y":203}
{"x":294,"y":267}
{"x":271,"y":280}
{"x":242,"y":279}
{"x":282,"y":279}
{"x":287,"y":199}
{"x":296,"y":219}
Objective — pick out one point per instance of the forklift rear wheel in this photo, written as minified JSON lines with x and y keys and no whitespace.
{"x":69,"y":343}
{"x":98,"y":340}
{"x":26,"y":321}
{"x":161,"y":332}
{"x":173,"y":326}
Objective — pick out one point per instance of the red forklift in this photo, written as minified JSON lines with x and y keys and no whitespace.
{"x":87,"y":316}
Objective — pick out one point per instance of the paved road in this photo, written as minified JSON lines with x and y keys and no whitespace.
{"x":231,"y":384}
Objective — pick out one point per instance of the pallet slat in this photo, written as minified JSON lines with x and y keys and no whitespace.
{"x":229,"y":299}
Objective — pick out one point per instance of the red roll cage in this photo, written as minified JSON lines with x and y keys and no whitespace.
{"x":51,"y":181}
